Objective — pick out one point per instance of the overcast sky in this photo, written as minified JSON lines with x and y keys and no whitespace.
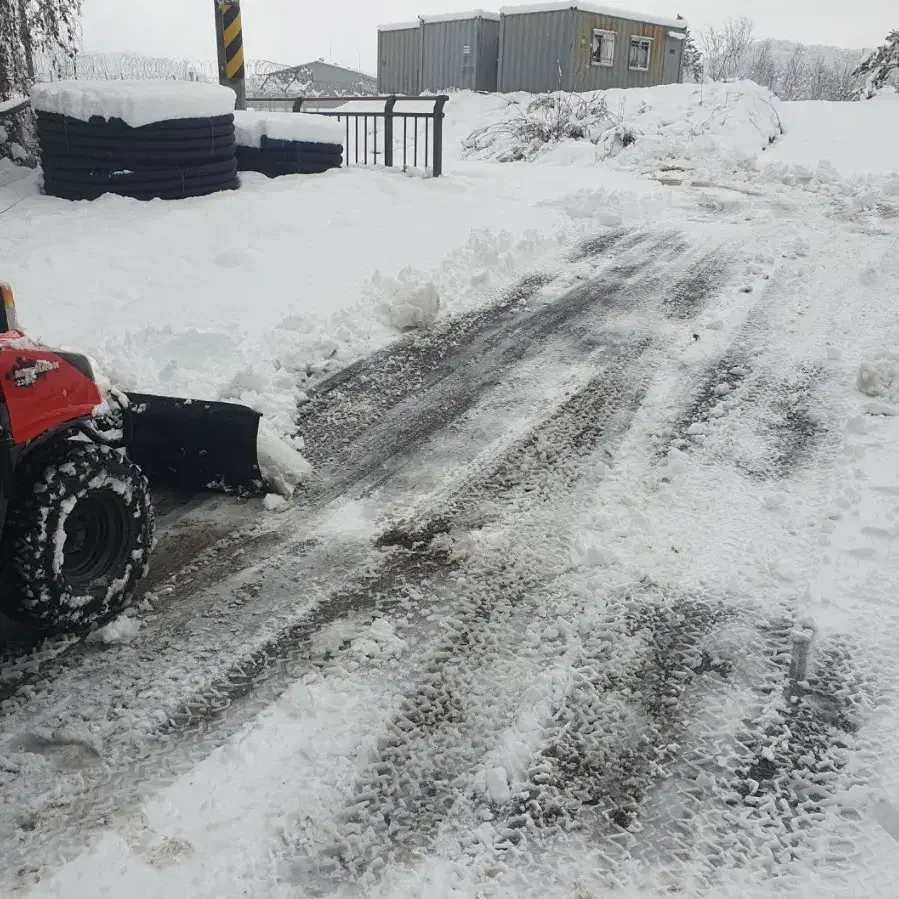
{"x":345,"y":31}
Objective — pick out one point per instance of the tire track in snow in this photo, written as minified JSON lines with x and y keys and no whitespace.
{"x":347,"y":404}
{"x":765,"y":765}
{"x":447,"y":721}
{"x":619,"y":723}
{"x":477,"y":364}
{"x":766,"y":421}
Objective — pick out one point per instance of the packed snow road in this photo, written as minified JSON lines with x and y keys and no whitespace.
{"x":548,"y":620}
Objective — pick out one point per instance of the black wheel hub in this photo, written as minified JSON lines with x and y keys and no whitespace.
{"x":99,"y":531}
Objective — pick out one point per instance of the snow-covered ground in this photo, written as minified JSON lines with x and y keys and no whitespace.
{"x":650,"y":653}
{"x":858,"y":139}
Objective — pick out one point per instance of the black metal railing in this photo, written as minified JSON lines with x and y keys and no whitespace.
{"x":382,"y":136}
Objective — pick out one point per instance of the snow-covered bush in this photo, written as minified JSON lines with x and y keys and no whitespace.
{"x":547,"y":120}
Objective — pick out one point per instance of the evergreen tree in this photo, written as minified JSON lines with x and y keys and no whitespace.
{"x":692,"y":58}
{"x":32,"y":30}
{"x":879,"y":67}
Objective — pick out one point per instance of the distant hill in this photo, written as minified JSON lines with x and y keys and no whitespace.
{"x":783,"y":50}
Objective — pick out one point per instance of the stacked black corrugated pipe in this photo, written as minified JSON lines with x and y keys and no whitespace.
{"x":287,"y":157}
{"x":169,"y":160}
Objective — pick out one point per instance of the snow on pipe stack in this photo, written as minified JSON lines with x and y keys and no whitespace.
{"x":141,"y":139}
{"x":287,"y":143}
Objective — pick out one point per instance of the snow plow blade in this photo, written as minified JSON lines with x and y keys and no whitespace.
{"x":194,"y":445}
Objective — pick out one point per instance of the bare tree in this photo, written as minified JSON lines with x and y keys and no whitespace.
{"x":762,"y":68}
{"x":793,"y":78}
{"x":841,"y":82}
{"x":725,"y":50}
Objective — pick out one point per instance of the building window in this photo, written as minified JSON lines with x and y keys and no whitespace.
{"x":641,"y":53}
{"x":602,"y":52}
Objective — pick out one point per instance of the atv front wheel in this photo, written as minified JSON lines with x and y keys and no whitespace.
{"x":78,"y":537}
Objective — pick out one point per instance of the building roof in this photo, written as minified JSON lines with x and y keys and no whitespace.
{"x":597,"y":8}
{"x":462,"y":16}
{"x":399,"y":26}
{"x":446,"y":17}
{"x":329,"y":65}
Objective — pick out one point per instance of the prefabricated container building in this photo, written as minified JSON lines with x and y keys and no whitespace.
{"x":456,"y":51}
{"x":399,"y":58}
{"x":586,"y":46}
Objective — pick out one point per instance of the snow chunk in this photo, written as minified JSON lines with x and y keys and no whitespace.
{"x":251,"y":127}
{"x":274,"y":502}
{"x":588,"y":551}
{"x":121,"y":630}
{"x":137,"y":103}
{"x":493,"y":784}
{"x":281,"y":465}
{"x":379,"y":640}
{"x":880,"y":379}
{"x":409,"y":301}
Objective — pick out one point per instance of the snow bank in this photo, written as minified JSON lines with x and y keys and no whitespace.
{"x":677,"y":126}
{"x":251,"y":127}
{"x":137,"y":103}
{"x":856,"y":139}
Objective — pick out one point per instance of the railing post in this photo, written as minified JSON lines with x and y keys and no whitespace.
{"x":389,"y":103}
{"x":298,"y":104}
{"x":439,"y":103}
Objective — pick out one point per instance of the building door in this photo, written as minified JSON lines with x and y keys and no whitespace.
{"x":671,"y":64}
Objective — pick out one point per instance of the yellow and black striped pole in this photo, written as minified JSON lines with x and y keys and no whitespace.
{"x":229,"y":34}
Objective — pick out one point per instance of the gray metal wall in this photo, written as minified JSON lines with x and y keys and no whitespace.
{"x":461,"y":54}
{"x":399,"y":61}
{"x":445,"y":62}
{"x":533,"y":47}
{"x":588,"y":77}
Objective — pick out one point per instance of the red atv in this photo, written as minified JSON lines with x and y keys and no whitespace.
{"x":75,"y":509}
